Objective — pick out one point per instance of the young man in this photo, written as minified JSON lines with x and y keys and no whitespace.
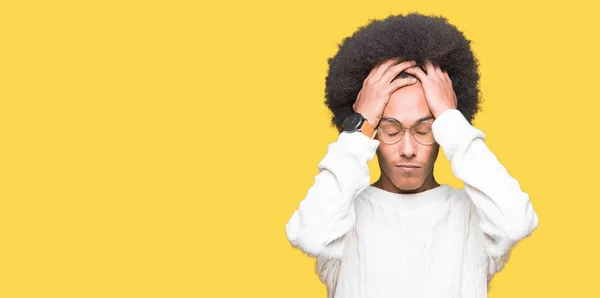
{"x":401,"y":88}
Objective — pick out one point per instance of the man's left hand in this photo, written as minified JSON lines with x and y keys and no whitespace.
{"x":437,"y":87}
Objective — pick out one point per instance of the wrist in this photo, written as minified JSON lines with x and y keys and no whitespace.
{"x":359,"y":122}
{"x":440,"y":112}
{"x":368,"y":129}
{"x":372,"y":121}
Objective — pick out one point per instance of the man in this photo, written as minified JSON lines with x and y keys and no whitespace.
{"x":406,"y":235}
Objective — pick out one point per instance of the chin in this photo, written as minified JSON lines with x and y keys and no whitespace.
{"x":408,"y":184}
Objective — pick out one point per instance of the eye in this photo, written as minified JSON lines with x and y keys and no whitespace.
{"x":423,"y":129}
{"x":390,"y":130}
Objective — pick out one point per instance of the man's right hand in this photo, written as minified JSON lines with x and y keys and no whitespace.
{"x":378,"y":86}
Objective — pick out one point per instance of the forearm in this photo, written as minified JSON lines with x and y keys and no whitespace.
{"x":506,"y":213}
{"x":327,"y":211}
{"x":504,"y":207}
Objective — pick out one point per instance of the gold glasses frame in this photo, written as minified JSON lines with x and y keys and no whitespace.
{"x":402,"y":132}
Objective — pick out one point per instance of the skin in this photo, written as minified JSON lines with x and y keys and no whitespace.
{"x":407,"y":101}
{"x":407,"y":105}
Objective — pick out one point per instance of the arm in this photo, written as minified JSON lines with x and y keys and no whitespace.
{"x":328,"y":264}
{"x":504,"y":211}
{"x":326,"y":214}
{"x":319,"y":226}
{"x":327,"y":211}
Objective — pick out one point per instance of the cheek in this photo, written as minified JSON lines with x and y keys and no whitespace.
{"x":383,"y":152}
{"x":433,"y":153}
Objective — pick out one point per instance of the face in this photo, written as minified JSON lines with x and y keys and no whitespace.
{"x":407,"y":105}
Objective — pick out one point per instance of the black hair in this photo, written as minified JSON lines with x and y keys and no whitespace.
{"x":413,"y":37}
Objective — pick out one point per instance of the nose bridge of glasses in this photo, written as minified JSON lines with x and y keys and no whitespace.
{"x":411,"y":134}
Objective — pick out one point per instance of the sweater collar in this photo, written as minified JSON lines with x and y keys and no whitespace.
{"x":408,"y":200}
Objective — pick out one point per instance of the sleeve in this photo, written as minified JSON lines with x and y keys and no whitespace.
{"x":327,"y":265}
{"x":504,"y":211}
{"x":326,"y":213}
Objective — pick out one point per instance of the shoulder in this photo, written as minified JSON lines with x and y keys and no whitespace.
{"x":458,"y":196}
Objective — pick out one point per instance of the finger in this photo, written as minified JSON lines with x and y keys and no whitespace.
{"x":394,"y":70}
{"x":436,"y":73}
{"x":373,"y":70}
{"x":439,"y":72}
{"x":449,"y":81}
{"x":399,"y":83}
{"x":383,"y":67}
{"x":417,"y":72}
{"x":356,"y":101}
{"x":429,"y":69}
{"x":446,"y":76}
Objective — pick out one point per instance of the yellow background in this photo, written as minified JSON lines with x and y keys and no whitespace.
{"x":158,"y":148}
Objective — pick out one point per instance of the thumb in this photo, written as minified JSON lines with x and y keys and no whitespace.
{"x":356,"y":101}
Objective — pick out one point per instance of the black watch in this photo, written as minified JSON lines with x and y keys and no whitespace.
{"x":353,"y":122}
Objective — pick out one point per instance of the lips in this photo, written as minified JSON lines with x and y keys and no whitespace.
{"x":408,"y":168}
{"x":407,"y":165}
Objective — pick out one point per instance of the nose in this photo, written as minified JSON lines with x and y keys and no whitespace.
{"x":408,"y":145}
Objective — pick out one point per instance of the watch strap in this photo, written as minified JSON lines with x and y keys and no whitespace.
{"x":367,"y":129}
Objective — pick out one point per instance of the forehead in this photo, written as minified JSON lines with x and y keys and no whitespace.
{"x":407,"y":104}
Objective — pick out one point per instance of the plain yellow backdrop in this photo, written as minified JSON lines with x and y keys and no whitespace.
{"x":158,"y":148}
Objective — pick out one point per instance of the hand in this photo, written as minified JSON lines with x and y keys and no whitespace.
{"x":437,"y":87}
{"x":377,"y":88}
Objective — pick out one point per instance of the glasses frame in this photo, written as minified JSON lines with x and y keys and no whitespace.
{"x":402,"y":133}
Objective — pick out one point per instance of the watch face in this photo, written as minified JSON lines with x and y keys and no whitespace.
{"x":352,"y":122}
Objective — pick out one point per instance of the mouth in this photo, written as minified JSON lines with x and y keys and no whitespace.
{"x":408,"y":168}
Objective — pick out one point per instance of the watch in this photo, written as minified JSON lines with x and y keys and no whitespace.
{"x":356,"y":122}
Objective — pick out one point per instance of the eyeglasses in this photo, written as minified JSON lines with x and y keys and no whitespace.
{"x":391,"y":132}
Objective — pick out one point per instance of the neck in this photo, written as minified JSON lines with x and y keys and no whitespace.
{"x":386,"y":184}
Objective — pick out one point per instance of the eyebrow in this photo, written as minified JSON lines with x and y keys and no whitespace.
{"x":398,"y":122}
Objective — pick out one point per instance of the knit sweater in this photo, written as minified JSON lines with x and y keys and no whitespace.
{"x":442,"y":242}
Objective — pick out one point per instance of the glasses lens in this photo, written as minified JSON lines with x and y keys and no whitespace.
{"x":423,"y":133}
{"x":389,"y":132}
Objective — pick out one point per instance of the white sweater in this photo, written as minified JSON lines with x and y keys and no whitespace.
{"x":443,"y":242}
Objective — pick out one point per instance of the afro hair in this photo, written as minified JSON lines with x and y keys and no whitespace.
{"x":413,"y":37}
